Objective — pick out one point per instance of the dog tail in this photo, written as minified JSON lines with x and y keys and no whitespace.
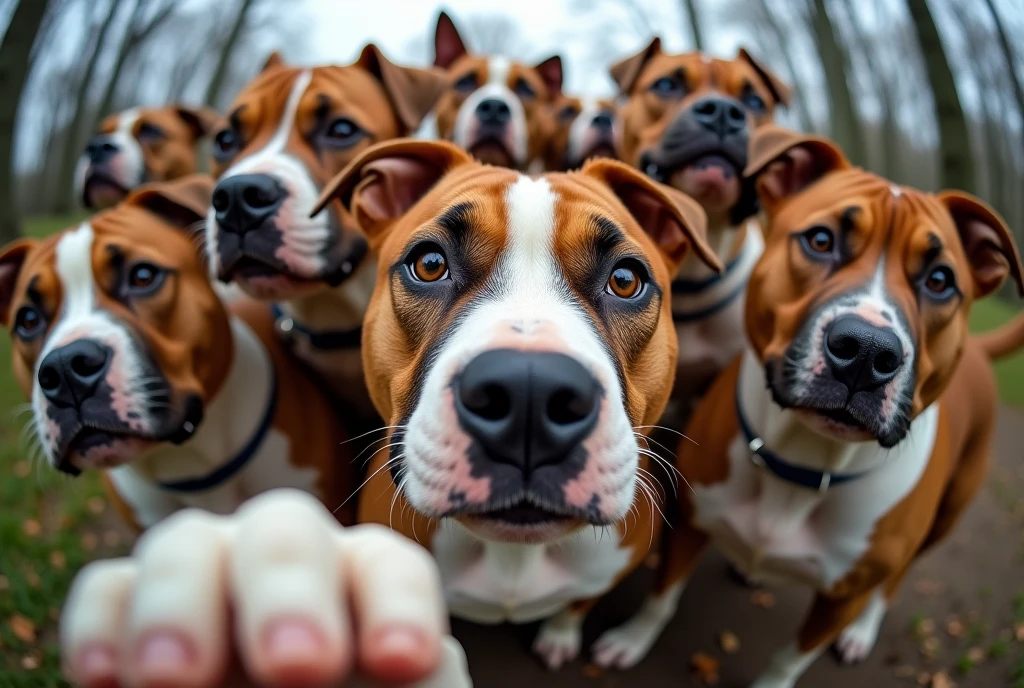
{"x":1004,"y":340}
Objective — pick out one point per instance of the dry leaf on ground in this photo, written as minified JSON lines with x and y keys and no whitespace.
{"x":705,"y":667}
{"x":762,"y":599}
{"x":954,"y":627}
{"x":32,"y":527}
{"x":729,"y":642}
{"x":941,"y":680}
{"x":23,"y":629}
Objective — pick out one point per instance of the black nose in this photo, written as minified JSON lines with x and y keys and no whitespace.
{"x":493,"y":111}
{"x":100,"y":149}
{"x":723,"y":116}
{"x":242,"y":202}
{"x":862,"y":356}
{"x":69,"y":375}
{"x":527,"y":409}
{"x":602,"y":121}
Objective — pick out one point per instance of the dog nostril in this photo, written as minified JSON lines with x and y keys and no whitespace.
{"x":705,"y":108}
{"x":49,"y":378}
{"x":85,"y":366}
{"x":490,"y":402}
{"x":221,"y":200}
{"x":736,"y":114}
{"x":845,"y":348}
{"x":109,"y":147}
{"x":257,"y":197}
{"x":566,"y":407}
{"x":886,"y":362}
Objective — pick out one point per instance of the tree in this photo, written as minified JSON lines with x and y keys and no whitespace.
{"x":1008,"y":57}
{"x":216,"y":84}
{"x":14,"y":70}
{"x":957,"y":166}
{"x":845,"y":121}
{"x":72,"y":147}
{"x":693,"y":18}
{"x":778,"y":38}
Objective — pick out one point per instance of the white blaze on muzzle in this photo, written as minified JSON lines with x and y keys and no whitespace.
{"x":467,"y":122}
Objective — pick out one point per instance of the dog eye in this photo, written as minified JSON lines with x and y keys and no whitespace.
{"x":225,"y":144}
{"x":941,"y":282}
{"x":428,"y":265}
{"x":754,"y":102}
{"x":523,"y":89}
{"x":28,"y":322}
{"x":666,"y":87}
{"x":150,"y":132}
{"x":625,"y":281}
{"x":818,"y":241}
{"x":567,"y":114}
{"x":466,"y":84}
{"x":343,"y":132}
{"x":144,"y":278}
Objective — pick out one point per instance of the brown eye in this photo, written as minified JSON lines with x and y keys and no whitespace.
{"x":430,"y":266}
{"x":144,"y":278}
{"x":625,"y":282}
{"x":940,"y":282}
{"x":819,"y":240}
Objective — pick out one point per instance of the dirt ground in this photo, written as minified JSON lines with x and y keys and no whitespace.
{"x":961,"y":614}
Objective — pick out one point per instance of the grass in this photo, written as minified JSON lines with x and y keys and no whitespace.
{"x":50,"y":525}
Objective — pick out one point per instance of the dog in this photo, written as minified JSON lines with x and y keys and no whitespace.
{"x":137,"y":146}
{"x":583,"y":128}
{"x":133,"y":366}
{"x":687,"y":122}
{"x":518,"y":345}
{"x":288,"y":133}
{"x":851,"y":434}
{"x":495,"y":108}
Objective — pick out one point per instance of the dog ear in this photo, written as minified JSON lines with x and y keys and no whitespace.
{"x":387,"y":179}
{"x":626,"y":72}
{"x":201,"y":120}
{"x":183,"y":202}
{"x":12,"y":258}
{"x":448,"y":45}
{"x":779,"y":89}
{"x":412,"y":91}
{"x":550,"y":71}
{"x":274,"y":60}
{"x":784,"y":162}
{"x":673,"y":220}
{"x":987,"y":241}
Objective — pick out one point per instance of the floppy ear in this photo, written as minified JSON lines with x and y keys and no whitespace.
{"x":12,"y":258}
{"x":784,"y":162}
{"x":411,"y":91}
{"x":987,"y":241}
{"x":183,"y":202}
{"x":201,"y":120}
{"x":274,"y":59}
{"x":780,"y":89}
{"x":448,"y":45}
{"x":626,"y":72}
{"x":550,"y":71}
{"x":672,"y":219}
{"x":387,"y":179}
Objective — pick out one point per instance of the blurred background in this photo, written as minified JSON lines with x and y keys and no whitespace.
{"x":926,"y":92}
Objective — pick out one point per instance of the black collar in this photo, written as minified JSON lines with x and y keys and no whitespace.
{"x":228,"y":470}
{"x":689,"y":287}
{"x":798,"y":475}
{"x":329,"y":340}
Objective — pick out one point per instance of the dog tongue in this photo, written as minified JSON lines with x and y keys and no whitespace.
{"x":706,"y":172}
{"x":713,"y":163}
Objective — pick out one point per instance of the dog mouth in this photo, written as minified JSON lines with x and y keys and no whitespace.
{"x":524,"y":514}
{"x":492,"y":151}
{"x":715,"y":166}
{"x":102,"y":190}
{"x":98,"y":449}
{"x":522,"y":521}
{"x":600,"y":149}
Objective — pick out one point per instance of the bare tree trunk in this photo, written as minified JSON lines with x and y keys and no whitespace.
{"x":779,"y":38}
{"x":73,"y":141}
{"x":1008,"y":57}
{"x":220,"y":72}
{"x":14,"y":72}
{"x":693,"y":17}
{"x":955,"y":143}
{"x":845,"y":121}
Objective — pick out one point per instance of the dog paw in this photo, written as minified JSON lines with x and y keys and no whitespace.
{"x":558,"y":642}
{"x":771,"y":682}
{"x":856,"y":641}
{"x":625,"y":646}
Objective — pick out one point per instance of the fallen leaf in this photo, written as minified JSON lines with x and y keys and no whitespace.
{"x":33,"y":578}
{"x":924,"y":678}
{"x":23,"y":629}
{"x":762,"y":599}
{"x":924,"y":628}
{"x":58,"y":560}
{"x":111,"y":538}
{"x":593,"y":671}
{"x":96,"y":505}
{"x":954,"y":627}
{"x":32,"y":527}
{"x":705,"y":667}
{"x":1018,"y":632}
{"x":22,"y":469}
{"x":54,"y":614}
{"x":928,"y":587}
{"x":976,"y":655}
{"x":729,"y":642}
{"x":905,"y":671}
{"x":29,"y":663}
{"x":89,"y":541}
{"x":4,"y":583}
{"x":941,"y":680}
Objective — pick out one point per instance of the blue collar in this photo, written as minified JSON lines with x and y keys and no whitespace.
{"x":227,"y":470}
{"x":685,"y":286}
{"x":324,"y":341}
{"x":798,"y":475}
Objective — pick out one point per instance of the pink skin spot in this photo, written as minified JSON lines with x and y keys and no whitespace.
{"x":602,"y":475}
{"x":117,"y":453}
{"x":871,"y":313}
{"x":52,"y":438}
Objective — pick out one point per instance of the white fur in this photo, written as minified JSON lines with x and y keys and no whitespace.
{"x":581,"y":126}
{"x":857,"y":639}
{"x":559,"y":639}
{"x":128,"y":167}
{"x":497,"y":88}
{"x":787,"y":666}
{"x":624,"y":646}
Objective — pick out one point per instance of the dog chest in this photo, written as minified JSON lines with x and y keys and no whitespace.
{"x":493,"y":582}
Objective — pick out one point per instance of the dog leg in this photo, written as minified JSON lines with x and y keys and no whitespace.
{"x":857,"y":639}
{"x":787,"y":666}
{"x":622,"y":647}
{"x":560,"y":637}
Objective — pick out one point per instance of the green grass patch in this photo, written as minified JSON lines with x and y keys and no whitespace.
{"x":988,"y":315}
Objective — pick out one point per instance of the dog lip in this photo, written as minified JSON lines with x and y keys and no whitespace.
{"x":524,"y":511}
{"x":665,"y":161}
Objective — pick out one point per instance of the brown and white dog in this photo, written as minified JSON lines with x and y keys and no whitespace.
{"x":287,"y":134}
{"x":494,"y":107}
{"x":518,"y":345}
{"x":856,"y":427}
{"x":133,"y":365}
{"x":687,"y":122}
{"x":137,"y":146}
{"x":583,"y":128}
